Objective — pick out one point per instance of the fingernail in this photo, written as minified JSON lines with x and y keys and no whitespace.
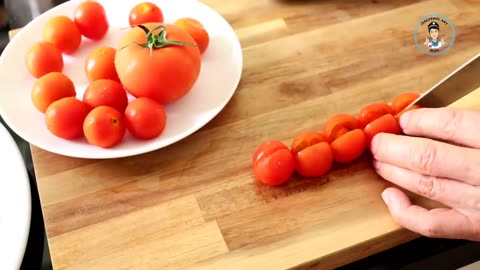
{"x":386,"y":197}
{"x":374,"y":144}
{"x":404,"y":120}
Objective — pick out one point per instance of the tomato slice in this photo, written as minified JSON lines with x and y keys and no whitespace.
{"x":402,"y":101}
{"x":315,"y":160}
{"x":305,"y":140}
{"x":338,"y":125}
{"x":384,"y":124}
{"x":373,"y":111}
{"x":413,"y":107}
{"x":349,"y":146}
{"x":273,"y":163}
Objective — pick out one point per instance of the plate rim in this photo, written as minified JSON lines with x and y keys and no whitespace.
{"x":111,"y":153}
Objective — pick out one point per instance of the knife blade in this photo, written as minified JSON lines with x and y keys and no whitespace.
{"x":454,"y":86}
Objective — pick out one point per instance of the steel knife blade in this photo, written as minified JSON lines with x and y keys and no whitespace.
{"x":454,"y":86}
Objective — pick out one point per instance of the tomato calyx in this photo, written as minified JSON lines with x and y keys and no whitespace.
{"x":157,"y":41}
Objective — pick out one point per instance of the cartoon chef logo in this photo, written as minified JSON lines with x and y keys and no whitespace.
{"x":432,"y":34}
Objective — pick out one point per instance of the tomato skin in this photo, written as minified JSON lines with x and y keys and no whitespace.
{"x":384,"y":124}
{"x":62,"y":32}
{"x":413,"y":107}
{"x":106,"y":93}
{"x":315,"y":160}
{"x":305,"y":140}
{"x":197,"y":31}
{"x":402,"y":101}
{"x":42,"y":58}
{"x":165,"y":75}
{"x":50,"y":88}
{"x":144,"y":13}
{"x":64,"y":118}
{"x":373,"y":111}
{"x":273,"y":163}
{"x":104,"y":127}
{"x":91,"y":20}
{"x":145,"y":118}
{"x":349,"y":146}
{"x":100,"y":64}
{"x":340,"y":124}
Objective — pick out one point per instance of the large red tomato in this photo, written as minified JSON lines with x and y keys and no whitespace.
{"x":167,"y":71}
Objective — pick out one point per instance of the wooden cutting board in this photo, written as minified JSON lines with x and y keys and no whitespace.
{"x":195,"y":204}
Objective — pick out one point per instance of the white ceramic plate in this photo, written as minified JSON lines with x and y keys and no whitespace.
{"x":15,"y":203}
{"x":218,"y":80}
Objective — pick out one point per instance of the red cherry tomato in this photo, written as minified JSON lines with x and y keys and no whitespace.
{"x":338,"y":125}
{"x":313,"y":155}
{"x":50,"y":88}
{"x":62,"y":32}
{"x":42,"y":58}
{"x":349,"y":146}
{"x":402,"y":101}
{"x":91,"y":20}
{"x":373,"y":111}
{"x":144,"y":13}
{"x":64,"y":118}
{"x":106,"y":93}
{"x":273,"y":163}
{"x":197,"y":31}
{"x":100,"y":64}
{"x":145,"y":118}
{"x":104,"y":127}
{"x":384,"y":124}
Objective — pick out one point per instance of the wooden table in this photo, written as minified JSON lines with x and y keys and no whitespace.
{"x":195,"y":205}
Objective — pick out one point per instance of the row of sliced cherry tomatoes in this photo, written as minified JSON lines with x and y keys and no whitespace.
{"x":343,"y":139}
{"x":103,"y":114}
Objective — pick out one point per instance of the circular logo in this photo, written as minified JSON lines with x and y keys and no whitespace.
{"x":434,"y":34}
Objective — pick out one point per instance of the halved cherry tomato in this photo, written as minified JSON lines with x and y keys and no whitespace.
{"x":145,"y":118}
{"x":313,"y":155}
{"x":64,"y":118}
{"x":413,"y":107}
{"x":373,"y":111}
{"x":384,"y":124}
{"x":349,"y":146}
{"x":104,"y":126}
{"x":339,"y":125}
{"x":42,"y":58}
{"x":144,"y":13}
{"x":106,"y":93}
{"x":100,"y":64}
{"x":62,"y":32}
{"x":273,"y":163}
{"x":50,"y":88}
{"x":196,"y":30}
{"x":91,"y":19}
{"x":402,"y":101}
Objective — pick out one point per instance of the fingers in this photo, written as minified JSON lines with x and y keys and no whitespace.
{"x":428,"y":157}
{"x":449,"y":192}
{"x":436,"y":223}
{"x":447,"y":124}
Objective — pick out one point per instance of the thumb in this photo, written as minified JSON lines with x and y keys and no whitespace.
{"x":440,"y":222}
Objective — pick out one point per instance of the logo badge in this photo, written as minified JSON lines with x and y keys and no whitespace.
{"x":434,"y":34}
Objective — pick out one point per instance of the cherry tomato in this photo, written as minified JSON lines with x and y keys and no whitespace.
{"x":373,"y":111}
{"x":104,"y":126}
{"x":339,"y":125}
{"x":196,"y":30}
{"x":64,"y":118}
{"x":62,"y":32}
{"x":413,"y":107}
{"x":313,"y":155}
{"x":145,"y":118}
{"x":384,"y":124}
{"x":402,"y":101}
{"x":144,"y":13}
{"x":91,"y":20}
{"x":50,"y":88}
{"x":42,"y":58}
{"x":349,"y":146}
{"x":100,"y":64}
{"x":273,"y":163}
{"x":106,"y":93}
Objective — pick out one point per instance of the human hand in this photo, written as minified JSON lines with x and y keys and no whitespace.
{"x":442,"y":163}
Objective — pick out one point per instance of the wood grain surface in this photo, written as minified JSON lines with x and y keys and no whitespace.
{"x":195,"y":204}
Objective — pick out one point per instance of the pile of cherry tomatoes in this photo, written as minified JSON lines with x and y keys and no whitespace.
{"x":344,"y":138}
{"x":141,"y":65}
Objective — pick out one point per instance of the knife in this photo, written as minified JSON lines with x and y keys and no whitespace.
{"x":454,"y":86}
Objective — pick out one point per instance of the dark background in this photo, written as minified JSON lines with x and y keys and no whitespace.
{"x":423,"y":253}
